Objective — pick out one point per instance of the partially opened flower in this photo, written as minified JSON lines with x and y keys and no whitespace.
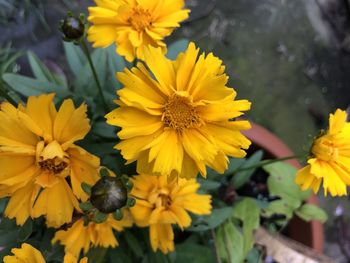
{"x":82,"y":237}
{"x":179,"y":118}
{"x":161,"y":204}
{"x":134,"y":24}
{"x":37,"y":154}
{"x":29,"y":254}
{"x":330,"y":159}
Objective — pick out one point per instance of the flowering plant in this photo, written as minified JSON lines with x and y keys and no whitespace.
{"x":139,"y":154}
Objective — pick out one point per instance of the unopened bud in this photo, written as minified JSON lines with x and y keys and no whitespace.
{"x":73,"y":28}
{"x":108,"y":194}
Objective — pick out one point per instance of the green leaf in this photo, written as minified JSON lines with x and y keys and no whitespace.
{"x":102,"y":129}
{"x":310,"y":212}
{"x":240,"y":178}
{"x":191,"y":252}
{"x":118,"y":255}
{"x":282,"y":207}
{"x":40,"y":71}
{"x":281,"y":182}
{"x":233,"y":242}
{"x":85,"y":83}
{"x":26,"y":230}
{"x":116,"y":64}
{"x":217,"y":217}
{"x":29,"y":86}
{"x":75,"y":57}
{"x":175,"y":48}
{"x":133,"y":243}
{"x":254,"y":256}
{"x":97,"y":254}
{"x":209,"y":185}
{"x":248,"y":212}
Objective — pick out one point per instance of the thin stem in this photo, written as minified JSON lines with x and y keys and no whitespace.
{"x":100,"y":91}
{"x":266,"y":162}
{"x":218,"y":259}
{"x":5,"y":95}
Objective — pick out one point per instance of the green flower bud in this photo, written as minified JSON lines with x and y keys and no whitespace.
{"x":108,"y":194}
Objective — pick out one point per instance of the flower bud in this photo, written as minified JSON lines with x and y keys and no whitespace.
{"x":108,"y":194}
{"x":73,"y":28}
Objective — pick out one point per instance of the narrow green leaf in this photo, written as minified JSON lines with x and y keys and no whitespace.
{"x":175,"y":48}
{"x":29,"y":86}
{"x":216,"y":218}
{"x":310,"y":212}
{"x":26,"y":230}
{"x":133,"y":243}
{"x":40,"y":71}
{"x":117,"y":255}
{"x":85,"y":83}
{"x":116,"y":63}
{"x":75,"y":57}
{"x":192,"y":252}
{"x":240,"y":178}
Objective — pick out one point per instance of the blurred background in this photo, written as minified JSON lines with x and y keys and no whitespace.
{"x":290,"y":58}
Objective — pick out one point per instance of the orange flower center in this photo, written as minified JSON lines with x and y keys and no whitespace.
{"x":324,"y":149}
{"x":55,"y":165}
{"x":51,"y":157}
{"x":180,"y":114}
{"x":160,"y":198}
{"x":140,"y":19}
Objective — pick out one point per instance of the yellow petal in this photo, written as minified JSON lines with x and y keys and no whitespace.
{"x":56,"y":210}
{"x":84,"y":168}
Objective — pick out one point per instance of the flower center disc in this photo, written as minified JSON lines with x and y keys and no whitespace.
{"x":180,"y":114}
{"x":140,"y":19}
{"x":55,"y":165}
{"x":324,"y":149}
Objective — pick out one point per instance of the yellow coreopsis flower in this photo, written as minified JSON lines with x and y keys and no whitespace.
{"x":134,"y":24}
{"x":179,"y":118}
{"x":37,"y":153}
{"x":330,"y":159}
{"x":80,"y":237}
{"x":160,"y":203}
{"x":29,"y":254}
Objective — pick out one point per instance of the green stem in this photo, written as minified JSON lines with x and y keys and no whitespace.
{"x":266,"y":162}
{"x":99,"y":87}
{"x":218,"y":259}
{"x":5,"y":95}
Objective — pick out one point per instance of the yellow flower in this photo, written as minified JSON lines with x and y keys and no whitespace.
{"x":79,"y":237}
{"x":160,"y":203}
{"x":26,"y":253}
{"x":178,"y":118}
{"x":37,"y":153}
{"x":134,"y":24}
{"x":330,"y":159}
{"x":29,"y":254}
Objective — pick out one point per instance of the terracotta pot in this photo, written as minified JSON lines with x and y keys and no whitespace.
{"x":309,"y":233}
